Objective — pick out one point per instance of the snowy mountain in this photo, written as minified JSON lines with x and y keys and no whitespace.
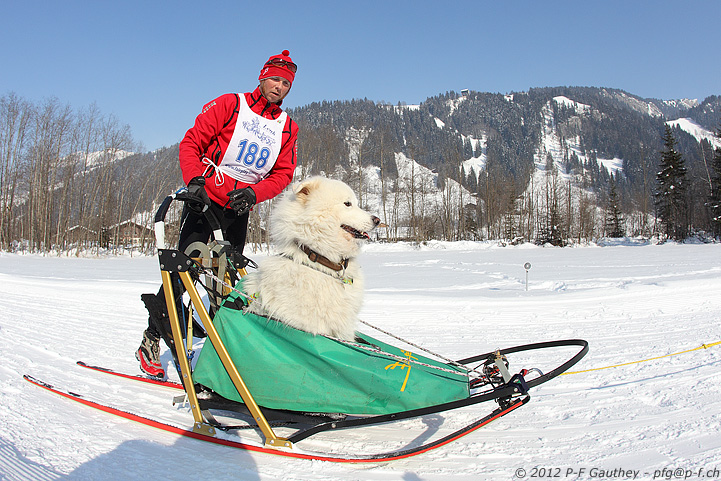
{"x":614,"y":128}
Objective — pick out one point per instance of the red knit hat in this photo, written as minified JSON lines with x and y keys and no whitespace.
{"x":279,"y":66}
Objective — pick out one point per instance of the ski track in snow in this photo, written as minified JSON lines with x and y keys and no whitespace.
{"x":631,"y":302}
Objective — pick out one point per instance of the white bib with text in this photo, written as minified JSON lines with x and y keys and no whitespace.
{"x":254,"y":147}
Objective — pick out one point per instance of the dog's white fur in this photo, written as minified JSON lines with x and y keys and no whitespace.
{"x":304,"y":294}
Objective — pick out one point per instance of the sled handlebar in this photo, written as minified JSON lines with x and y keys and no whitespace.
{"x":181,"y":195}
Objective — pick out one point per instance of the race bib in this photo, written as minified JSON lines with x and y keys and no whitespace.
{"x":254,"y":147}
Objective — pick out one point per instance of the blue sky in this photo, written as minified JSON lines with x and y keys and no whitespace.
{"x":153,"y":64}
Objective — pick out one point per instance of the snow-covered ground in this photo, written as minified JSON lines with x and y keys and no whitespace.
{"x":631,"y":302}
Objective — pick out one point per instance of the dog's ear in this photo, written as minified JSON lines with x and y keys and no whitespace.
{"x":302,"y":190}
{"x":302,"y":194}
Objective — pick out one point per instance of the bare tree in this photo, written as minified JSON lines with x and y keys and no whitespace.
{"x":15,"y":115}
{"x":87,"y":134}
{"x":50,"y":128}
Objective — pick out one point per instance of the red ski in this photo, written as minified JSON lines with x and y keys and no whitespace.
{"x":134,"y":377}
{"x":295,"y":453}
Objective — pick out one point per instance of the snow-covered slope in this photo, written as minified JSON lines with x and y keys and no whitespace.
{"x":561,"y":147}
{"x":695,"y":130}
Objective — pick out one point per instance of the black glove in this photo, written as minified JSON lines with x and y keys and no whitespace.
{"x":241,"y":200}
{"x":197,"y":200}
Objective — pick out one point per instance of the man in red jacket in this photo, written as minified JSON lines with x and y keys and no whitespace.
{"x":241,"y":151}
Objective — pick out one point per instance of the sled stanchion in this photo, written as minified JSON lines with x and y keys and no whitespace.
{"x":177,"y":262}
{"x":270,"y":438}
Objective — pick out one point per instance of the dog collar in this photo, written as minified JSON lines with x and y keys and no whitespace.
{"x":313,"y":256}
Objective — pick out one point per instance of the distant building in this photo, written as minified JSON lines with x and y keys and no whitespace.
{"x":78,"y":233}
{"x":131,"y":233}
{"x":465,"y":92}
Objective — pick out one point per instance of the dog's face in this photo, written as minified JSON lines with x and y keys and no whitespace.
{"x":322,"y":214}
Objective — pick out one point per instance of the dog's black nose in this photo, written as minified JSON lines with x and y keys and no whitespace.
{"x":375,"y":220}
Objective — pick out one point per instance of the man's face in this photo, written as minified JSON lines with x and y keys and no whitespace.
{"x":274,"y":88}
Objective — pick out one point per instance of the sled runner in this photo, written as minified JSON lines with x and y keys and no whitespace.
{"x":257,"y":375}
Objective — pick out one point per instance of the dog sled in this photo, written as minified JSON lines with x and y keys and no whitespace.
{"x":270,"y":372}
{"x":262,"y":385}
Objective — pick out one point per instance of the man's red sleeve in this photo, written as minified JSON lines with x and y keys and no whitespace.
{"x":202,"y":134}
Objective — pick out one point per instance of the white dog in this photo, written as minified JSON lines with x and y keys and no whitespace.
{"x":314,"y":283}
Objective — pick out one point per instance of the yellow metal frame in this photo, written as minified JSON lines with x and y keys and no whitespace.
{"x":200,"y":425}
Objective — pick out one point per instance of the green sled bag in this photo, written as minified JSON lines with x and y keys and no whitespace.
{"x":289,"y":369}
